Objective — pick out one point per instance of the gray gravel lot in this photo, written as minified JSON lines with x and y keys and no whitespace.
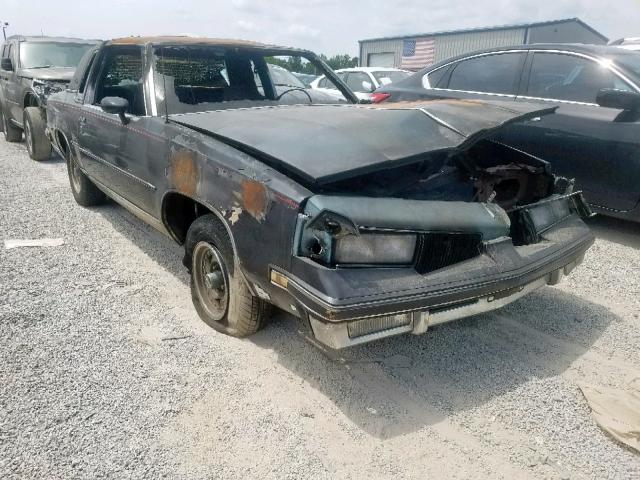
{"x":107,"y":372}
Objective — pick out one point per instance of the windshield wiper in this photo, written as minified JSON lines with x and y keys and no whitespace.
{"x":41,"y":66}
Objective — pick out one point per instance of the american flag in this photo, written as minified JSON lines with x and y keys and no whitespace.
{"x":418,"y":53}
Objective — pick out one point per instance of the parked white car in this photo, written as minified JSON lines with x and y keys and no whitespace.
{"x":632,"y":43}
{"x":361,"y":80}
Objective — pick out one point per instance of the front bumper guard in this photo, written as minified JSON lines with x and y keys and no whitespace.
{"x":338,"y":335}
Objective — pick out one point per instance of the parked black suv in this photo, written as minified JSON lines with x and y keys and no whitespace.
{"x":32,"y":68}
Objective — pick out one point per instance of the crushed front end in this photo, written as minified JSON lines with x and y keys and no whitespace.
{"x":400,"y":250}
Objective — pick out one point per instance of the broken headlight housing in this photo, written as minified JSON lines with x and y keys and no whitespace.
{"x":532,"y":221}
{"x":44,"y":88}
{"x":333,"y":240}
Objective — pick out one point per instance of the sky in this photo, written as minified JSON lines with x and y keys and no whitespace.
{"x":324,"y":26}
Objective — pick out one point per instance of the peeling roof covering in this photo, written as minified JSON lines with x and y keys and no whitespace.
{"x":326,"y":143}
{"x":187,"y":40}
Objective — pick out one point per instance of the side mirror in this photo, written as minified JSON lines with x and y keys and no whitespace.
{"x":6,"y":64}
{"x":618,"y":99}
{"x":368,"y":87}
{"x":116,"y":105}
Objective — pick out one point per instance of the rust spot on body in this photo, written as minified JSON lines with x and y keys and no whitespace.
{"x":255,"y":199}
{"x":184,"y":174}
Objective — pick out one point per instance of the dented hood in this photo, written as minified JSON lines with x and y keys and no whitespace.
{"x":325,"y":143}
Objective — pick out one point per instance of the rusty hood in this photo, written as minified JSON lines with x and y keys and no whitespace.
{"x":325,"y":143}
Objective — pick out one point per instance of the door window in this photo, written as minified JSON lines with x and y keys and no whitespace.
{"x":121,"y":76}
{"x":436,"y":78}
{"x":355,"y":79}
{"x":567,"y":77}
{"x":488,"y":74}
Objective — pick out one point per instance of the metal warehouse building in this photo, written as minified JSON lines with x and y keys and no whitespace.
{"x":416,"y":51}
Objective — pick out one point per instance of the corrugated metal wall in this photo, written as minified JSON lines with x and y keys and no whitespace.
{"x":448,"y":46}
{"x":381,"y":46}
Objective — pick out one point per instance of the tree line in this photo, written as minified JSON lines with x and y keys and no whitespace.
{"x":296,"y":64}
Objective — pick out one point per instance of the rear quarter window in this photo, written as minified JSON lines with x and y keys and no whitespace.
{"x":497,"y":73}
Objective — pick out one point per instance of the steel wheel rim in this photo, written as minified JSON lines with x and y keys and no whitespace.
{"x":211,"y":280}
{"x":74,"y":171}
{"x":27,"y":134}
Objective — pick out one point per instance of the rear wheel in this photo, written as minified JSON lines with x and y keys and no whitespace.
{"x":84,"y":190}
{"x":219,"y":293}
{"x":38,"y":145}
{"x":11,"y":132}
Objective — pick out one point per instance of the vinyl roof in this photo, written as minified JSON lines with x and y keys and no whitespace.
{"x":187,"y":40}
{"x":489,"y":29}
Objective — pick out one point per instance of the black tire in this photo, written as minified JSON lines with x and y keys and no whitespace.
{"x":84,"y":190}
{"x":35,"y":124}
{"x":11,"y":132}
{"x":229,"y":308}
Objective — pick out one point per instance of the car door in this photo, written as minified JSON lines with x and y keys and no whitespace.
{"x":112,"y":152}
{"x":10,"y":84}
{"x":597,"y":146}
{"x":493,"y":76}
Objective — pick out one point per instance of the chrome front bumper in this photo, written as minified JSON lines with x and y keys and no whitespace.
{"x":342,"y":335}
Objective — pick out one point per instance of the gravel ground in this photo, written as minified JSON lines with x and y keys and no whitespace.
{"x":106,"y":371}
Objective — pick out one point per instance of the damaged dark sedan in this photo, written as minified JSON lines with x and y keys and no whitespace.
{"x":362,"y":221}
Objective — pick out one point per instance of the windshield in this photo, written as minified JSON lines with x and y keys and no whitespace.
{"x":385,"y":77}
{"x":630,"y":61}
{"x":197,"y":78}
{"x":51,"y":54}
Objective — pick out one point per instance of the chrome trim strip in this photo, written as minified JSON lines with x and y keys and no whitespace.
{"x":115,"y":167}
{"x":441,"y":122}
{"x":135,"y":210}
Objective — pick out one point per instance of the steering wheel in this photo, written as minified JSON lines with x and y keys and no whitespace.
{"x":293,"y":90}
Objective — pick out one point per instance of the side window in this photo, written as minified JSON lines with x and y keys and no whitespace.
{"x":121,"y":76}
{"x":435,"y":78}
{"x":326,"y":83}
{"x":567,"y":77}
{"x":81,"y":74}
{"x":85,"y":74}
{"x":490,"y":74}
{"x":355,"y":80}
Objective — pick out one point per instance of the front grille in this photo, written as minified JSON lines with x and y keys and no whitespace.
{"x":439,"y":250}
{"x":367,"y":326}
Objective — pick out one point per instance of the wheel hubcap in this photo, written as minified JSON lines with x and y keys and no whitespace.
{"x":211,"y":280}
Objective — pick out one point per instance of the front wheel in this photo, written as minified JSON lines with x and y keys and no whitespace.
{"x":38,"y":145}
{"x":219,"y":293}
{"x":84,"y":190}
